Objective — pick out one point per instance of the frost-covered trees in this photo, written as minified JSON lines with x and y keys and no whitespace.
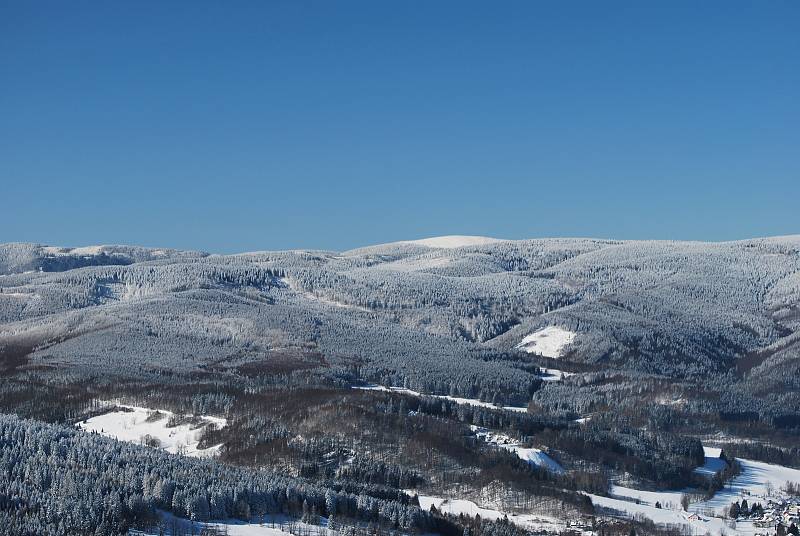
{"x":55,"y":480}
{"x":442,"y":321}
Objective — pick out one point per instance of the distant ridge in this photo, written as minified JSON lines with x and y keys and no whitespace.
{"x":454,"y":241}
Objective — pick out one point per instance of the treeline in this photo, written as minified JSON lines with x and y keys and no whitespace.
{"x":787,"y":456}
{"x":519,"y":423}
{"x":661,"y":457}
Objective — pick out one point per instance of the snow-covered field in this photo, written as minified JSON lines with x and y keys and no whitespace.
{"x":415,"y":264}
{"x":554,"y":375}
{"x":670,"y":500}
{"x":454,"y":241}
{"x":133,"y":424}
{"x":533,"y":456}
{"x":457,"y":400}
{"x":757,"y":482}
{"x":663,"y":516}
{"x":274,"y":526}
{"x":549,"y":341}
{"x":78,"y":252}
{"x":713,"y":463}
{"x":535,"y":522}
{"x":538,"y":458}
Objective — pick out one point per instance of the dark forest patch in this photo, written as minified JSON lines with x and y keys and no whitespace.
{"x":14,"y":355}
{"x":282,"y":362}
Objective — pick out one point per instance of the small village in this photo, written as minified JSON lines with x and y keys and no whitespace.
{"x":775,"y":516}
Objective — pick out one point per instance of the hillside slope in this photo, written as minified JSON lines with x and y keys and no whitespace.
{"x":448,"y":319}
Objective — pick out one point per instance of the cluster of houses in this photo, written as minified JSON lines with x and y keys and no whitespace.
{"x":781,"y":517}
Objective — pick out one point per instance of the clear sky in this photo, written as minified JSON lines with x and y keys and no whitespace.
{"x":233,"y":126}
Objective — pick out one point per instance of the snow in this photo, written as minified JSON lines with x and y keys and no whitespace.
{"x":124,"y":291}
{"x":713,"y":463}
{"x":321,"y":299}
{"x":548,"y":342}
{"x":84,"y":251}
{"x":535,"y":522}
{"x":554,"y":375}
{"x":538,"y":458}
{"x":754,"y":479}
{"x":130,"y":424}
{"x":454,"y":241}
{"x":415,"y":264}
{"x":248,"y":529}
{"x":87,"y":250}
{"x":25,"y":295}
{"x":240,"y":528}
{"x":671,"y":402}
{"x":236,"y":527}
{"x":665,"y":516}
{"x":533,"y":456}
{"x":755,"y":482}
{"x":670,"y":500}
{"x":333,"y":303}
{"x":457,"y":400}
{"x":480,"y":403}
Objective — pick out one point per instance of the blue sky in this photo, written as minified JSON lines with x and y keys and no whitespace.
{"x":269,"y":125}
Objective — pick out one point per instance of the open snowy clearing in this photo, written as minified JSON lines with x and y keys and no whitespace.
{"x":533,"y":456}
{"x":554,"y":375}
{"x":757,"y":482}
{"x":133,"y":424}
{"x":713,"y":463}
{"x":457,"y":400}
{"x":663,"y":516}
{"x":535,"y":522}
{"x":670,"y":499}
{"x":454,"y":241}
{"x":548,"y":342}
{"x":415,"y":264}
{"x":538,"y":458}
{"x":278,"y":525}
{"x":80,"y":251}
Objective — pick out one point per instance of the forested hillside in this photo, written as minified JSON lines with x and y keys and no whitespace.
{"x":620,"y":354}
{"x":435,"y":319}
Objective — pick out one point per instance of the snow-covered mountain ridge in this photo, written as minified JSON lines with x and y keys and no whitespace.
{"x":443,"y":305}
